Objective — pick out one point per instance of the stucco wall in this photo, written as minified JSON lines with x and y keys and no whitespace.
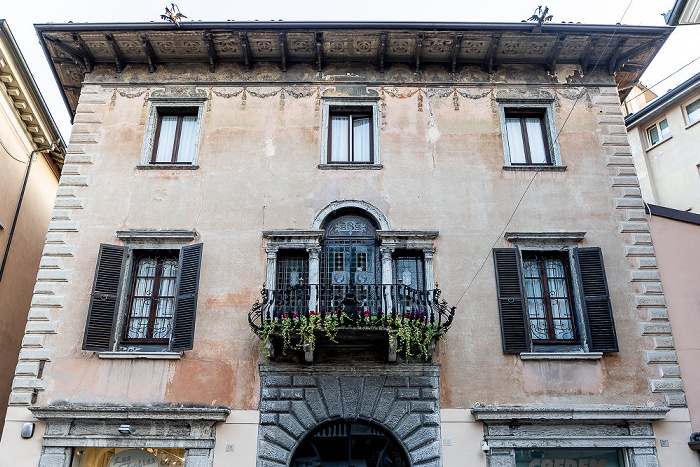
{"x":442,"y":155}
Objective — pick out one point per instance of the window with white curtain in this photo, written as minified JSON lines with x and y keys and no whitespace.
{"x":176,"y":135}
{"x":526,"y":134}
{"x":658,"y":132}
{"x":350,"y":137}
{"x":692,"y":110}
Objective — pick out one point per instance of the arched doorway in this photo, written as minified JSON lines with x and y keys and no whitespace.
{"x":350,"y":264}
{"x":349,"y":444}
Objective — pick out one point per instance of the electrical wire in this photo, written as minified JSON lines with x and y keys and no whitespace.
{"x":527,"y":188}
{"x":10,"y":154}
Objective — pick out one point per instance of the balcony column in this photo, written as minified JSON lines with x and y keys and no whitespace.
{"x":270,"y":279}
{"x":387,"y":277}
{"x":429,"y":275}
{"x":314,"y":276}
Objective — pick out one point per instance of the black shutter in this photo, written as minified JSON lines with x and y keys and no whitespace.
{"x":596,"y":300}
{"x":186,"y":305}
{"x":104,"y":302}
{"x":510,"y":301}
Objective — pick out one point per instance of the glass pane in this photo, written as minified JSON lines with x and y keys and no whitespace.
{"x":665,"y":132}
{"x":166,"y":140}
{"x":187,"y":139}
{"x":693,"y":110}
{"x":339,"y":139}
{"x":516,"y":146}
{"x":360,"y":140}
{"x":538,"y":154}
{"x":653,"y":134}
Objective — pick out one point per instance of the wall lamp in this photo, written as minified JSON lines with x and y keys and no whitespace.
{"x":694,"y":442}
{"x":125,"y":430}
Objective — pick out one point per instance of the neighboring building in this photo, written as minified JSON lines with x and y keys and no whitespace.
{"x":27,"y":193}
{"x":684,"y":12}
{"x":676,"y":235}
{"x":348,"y":167}
{"x":637,"y":98}
{"x":664,"y":137}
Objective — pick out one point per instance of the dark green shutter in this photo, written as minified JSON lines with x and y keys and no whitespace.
{"x":596,"y":300}
{"x":510,"y":300}
{"x":186,"y":306}
{"x":104,"y":301}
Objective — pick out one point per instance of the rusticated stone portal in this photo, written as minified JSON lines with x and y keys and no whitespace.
{"x":403,"y":399}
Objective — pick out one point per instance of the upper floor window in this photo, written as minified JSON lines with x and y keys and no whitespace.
{"x":350,"y":137}
{"x":658,"y":132}
{"x":527,"y":137}
{"x":174,"y":141}
{"x":692,"y":111}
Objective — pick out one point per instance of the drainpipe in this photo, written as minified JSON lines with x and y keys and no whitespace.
{"x":19,"y":203}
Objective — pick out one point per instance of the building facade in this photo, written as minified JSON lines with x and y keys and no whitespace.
{"x":30,"y":166}
{"x":267,"y":210}
{"x":663,"y":136}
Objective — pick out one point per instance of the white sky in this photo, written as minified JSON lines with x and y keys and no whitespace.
{"x":682,"y":47}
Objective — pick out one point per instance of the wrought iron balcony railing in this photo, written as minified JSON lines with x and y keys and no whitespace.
{"x":307,"y":307}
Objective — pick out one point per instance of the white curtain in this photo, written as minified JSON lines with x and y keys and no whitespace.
{"x":534,"y":135}
{"x":360,"y":140}
{"x":516,"y":147}
{"x":189,"y":130}
{"x":693,"y":110}
{"x":339,"y":139}
{"x":167,"y":139}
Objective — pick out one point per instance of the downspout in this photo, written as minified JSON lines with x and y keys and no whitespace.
{"x":19,"y":203}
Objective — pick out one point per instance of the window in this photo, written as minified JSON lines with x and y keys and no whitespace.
{"x":658,"y":132}
{"x":174,"y":141}
{"x":150,"y":295}
{"x":350,"y":138}
{"x":152,"y":299}
{"x":692,"y":110}
{"x":350,"y":134}
{"x":548,"y":297}
{"x":526,"y":132}
{"x":537,"y":300}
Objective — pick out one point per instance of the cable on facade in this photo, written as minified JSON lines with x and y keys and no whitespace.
{"x":527,"y":188}
{"x":654,"y":85}
{"x":10,"y":154}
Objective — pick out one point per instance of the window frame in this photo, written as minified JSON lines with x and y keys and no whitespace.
{"x":136,"y":256}
{"x":688,"y":123}
{"x":544,"y":109}
{"x":352,"y":115}
{"x":522,"y":116}
{"x":657,"y":125}
{"x":366,"y":106}
{"x":180,"y":113}
{"x":159,"y":108}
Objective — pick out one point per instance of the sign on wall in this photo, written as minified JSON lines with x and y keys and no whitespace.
{"x":134,"y":458}
{"x":569,"y":458}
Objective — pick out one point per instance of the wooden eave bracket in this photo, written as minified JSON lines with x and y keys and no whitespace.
{"x":213,"y":56}
{"x":612,"y":61}
{"x":116,"y":51}
{"x":456,"y":46}
{"x":85,"y":63}
{"x":247,"y":55}
{"x":382,"y":50}
{"x":588,"y":51}
{"x":148,"y":50}
{"x":554,"y":53}
{"x":490,"y":54}
{"x":419,"y":50}
{"x":319,"y":51}
{"x":283,"y":49}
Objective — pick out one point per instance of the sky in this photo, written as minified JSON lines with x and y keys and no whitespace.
{"x":681,"y":48}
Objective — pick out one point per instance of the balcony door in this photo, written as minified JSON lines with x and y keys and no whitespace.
{"x":350,"y":265}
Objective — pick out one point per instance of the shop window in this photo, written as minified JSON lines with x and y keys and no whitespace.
{"x":108,"y":457}
{"x":576,"y":457}
{"x":150,"y":294}
{"x":537,"y":301}
{"x":658,"y":132}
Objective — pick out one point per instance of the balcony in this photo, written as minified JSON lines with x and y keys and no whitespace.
{"x":306,"y":317}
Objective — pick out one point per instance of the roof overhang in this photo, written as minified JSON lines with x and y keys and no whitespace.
{"x":662,"y":103}
{"x":76,"y":49}
{"x":684,"y":12}
{"x":22,"y":90}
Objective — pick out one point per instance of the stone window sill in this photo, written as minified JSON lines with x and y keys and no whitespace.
{"x":144,"y":355}
{"x":659,"y":143}
{"x":541,"y":168}
{"x":350,"y":166}
{"x":561,"y":355}
{"x":167,"y":167}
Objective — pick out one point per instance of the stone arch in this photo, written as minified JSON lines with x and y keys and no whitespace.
{"x":371,"y":210}
{"x":403,"y":401}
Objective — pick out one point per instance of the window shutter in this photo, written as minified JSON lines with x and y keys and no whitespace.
{"x":596,"y":300}
{"x":186,"y":306}
{"x":104,"y":301}
{"x":510,"y":300}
